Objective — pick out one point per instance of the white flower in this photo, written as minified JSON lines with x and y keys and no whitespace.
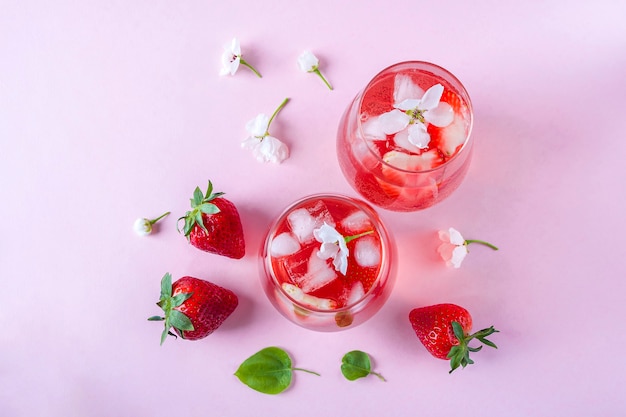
{"x":143,"y":226}
{"x":308,"y":62}
{"x":333,"y":246}
{"x":413,"y":113}
{"x":231,"y":58}
{"x":454,"y":247}
{"x":264,"y":147}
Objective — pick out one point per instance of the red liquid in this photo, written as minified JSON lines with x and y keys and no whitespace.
{"x":370,"y":163}
{"x":326,"y":298}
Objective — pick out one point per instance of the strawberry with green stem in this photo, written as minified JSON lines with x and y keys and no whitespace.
{"x":213,"y":224}
{"x":192,"y":307}
{"x":444,"y":329}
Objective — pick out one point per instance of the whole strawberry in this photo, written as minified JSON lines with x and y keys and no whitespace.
{"x":444,"y":329}
{"x":193,"y":307}
{"x":213,"y":224}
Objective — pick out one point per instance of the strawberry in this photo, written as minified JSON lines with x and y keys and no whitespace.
{"x":195,"y":308}
{"x":213,"y":225}
{"x":444,"y":329}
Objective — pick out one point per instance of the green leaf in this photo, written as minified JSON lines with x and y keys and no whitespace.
{"x":199,"y":221}
{"x":180,"y":321}
{"x":166,"y":285}
{"x":179,"y":299}
{"x":268,"y":371}
{"x":458,"y":331}
{"x":209,"y":189}
{"x":487,"y":342}
{"x":156,"y":318}
{"x":356,"y":364}
{"x":209,"y":208}
{"x":197,"y":197}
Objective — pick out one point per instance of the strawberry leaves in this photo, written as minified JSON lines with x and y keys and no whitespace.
{"x":459,"y":354}
{"x":200,"y":204}
{"x":356,"y":364}
{"x":168,"y":303}
{"x":268,"y":371}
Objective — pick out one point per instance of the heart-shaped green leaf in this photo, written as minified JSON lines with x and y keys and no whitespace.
{"x":356,"y":364}
{"x":268,"y":371}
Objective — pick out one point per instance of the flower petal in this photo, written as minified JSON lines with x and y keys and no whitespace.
{"x":408,"y":104}
{"x":259,"y":125}
{"x":235,"y":47}
{"x":440,"y":116}
{"x":393,"y":121}
{"x":401,"y":139}
{"x":418,"y":135}
{"x":445,"y":251}
{"x":404,"y":88}
{"x":458,"y":254}
{"x":455,"y":237}
{"x":431,"y":97}
{"x":444,"y":236}
{"x":307,"y":61}
{"x":272,"y":150}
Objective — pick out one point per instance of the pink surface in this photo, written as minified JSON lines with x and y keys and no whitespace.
{"x":114,"y":111}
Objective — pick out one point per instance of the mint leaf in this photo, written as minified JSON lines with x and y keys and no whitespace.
{"x":356,"y":364}
{"x":268,"y":371}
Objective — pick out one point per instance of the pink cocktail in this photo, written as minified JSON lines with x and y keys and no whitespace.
{"x":404,"y":143}
{"x":327,"y":262}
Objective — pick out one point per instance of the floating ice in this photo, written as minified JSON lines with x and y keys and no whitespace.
{"x":284,"y":244}
{"x":453,"y":136}
{"x":357,"y":222}
{"x":373,"y":130}
{"x":308,"y":271}
{"x":357,"y":292}
{"x":404,"y":88}
{"x":303,"y":221}
{"x":367,"y":251}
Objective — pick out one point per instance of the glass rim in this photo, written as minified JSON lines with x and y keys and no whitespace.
{"x":453,"y":80}
{"x":383,"y":234}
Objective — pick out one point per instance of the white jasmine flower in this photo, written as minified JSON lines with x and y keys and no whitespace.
{"x":413,"y":113}
{"x":231,"y":58}
{"x":264,"y":147}
{"x":308,"y":62}
{"x":143,"y":226}
{"x":333,"y":246}
{"x":454,"y":247}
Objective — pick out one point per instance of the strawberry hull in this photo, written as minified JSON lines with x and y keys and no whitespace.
{"x":393,"y":169}
{"x":310,"y":289}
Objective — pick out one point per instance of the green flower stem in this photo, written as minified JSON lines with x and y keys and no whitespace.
{"x":319,"y":73}
{"x":351,"y":238}
{"x":482,"y":242}
{"x":245,"y":63}
{"x":306,"y":370}
{"x":274,"y":115}
{"x":382,"y":378}
{"x":158,"y":218}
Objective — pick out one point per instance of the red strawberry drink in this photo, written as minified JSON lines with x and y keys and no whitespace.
{"x":327,"y":262}
{"x":404,"y":142}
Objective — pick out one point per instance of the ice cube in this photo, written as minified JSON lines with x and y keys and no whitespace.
{"x":357,"y":292}
{"x":372,"y":129}
{"x":401,"y":139}
{"x":452,"y":136}
{"x":304,"y":220}
{"x":307,"y":270}
{"x":284,"y":244}
{"x":357,"y":222}
{"x":367,"y":251}
{"x":405,"y":89}
{"x":319,"y":273}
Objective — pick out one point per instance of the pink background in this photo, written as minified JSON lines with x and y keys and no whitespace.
{"x":114,"y":110}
